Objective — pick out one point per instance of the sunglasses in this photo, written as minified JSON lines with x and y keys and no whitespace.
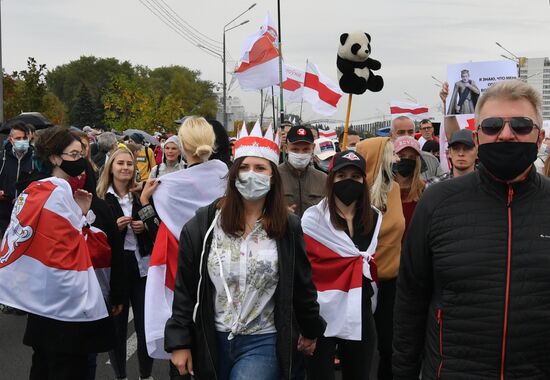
{"x":492,"y":126}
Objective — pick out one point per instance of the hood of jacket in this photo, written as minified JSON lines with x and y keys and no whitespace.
{"x":371,"y":149}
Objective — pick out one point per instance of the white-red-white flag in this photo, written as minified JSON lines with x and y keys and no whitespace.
{"x":293,"y":84}
{"x":329,"y":134}
{"x":411,"y":110}
{"x":337,"y":268}
{"x":320,"y":91}
{"x":259,"y":64}
{"x":176,"y":199}
{"x":45,"y":265}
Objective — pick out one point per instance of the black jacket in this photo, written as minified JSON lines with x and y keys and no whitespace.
{"x":12,"y":169}
{"x":473,"y":292}
{"x":296,"y":297}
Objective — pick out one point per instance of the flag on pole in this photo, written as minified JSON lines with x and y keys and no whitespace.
{"x":411,"y":110}
{"x":320,"y":91}
{"x":51,"y":277}
{"x":329,"y":134}
{"x":293,"y":85}
{"x":338,"y":268}
{"x":259,"y":64}
{"x":176,"y":200}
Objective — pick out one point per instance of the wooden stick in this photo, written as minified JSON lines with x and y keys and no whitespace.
{"x":346,"y":126}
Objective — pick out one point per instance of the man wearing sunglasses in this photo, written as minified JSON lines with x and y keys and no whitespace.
{"x":473,"y":292}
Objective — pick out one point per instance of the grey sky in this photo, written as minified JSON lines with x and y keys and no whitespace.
{"x":413,"y":39}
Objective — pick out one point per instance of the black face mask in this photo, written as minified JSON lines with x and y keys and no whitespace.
{"x":507,"y":160}
{"x":405,"y":167}
{"x":73,"y":168}
{"x":348,"y":191}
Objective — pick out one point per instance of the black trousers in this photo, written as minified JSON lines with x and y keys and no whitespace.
{"x":136,"y":292}
{"x":48,"y":365}
{"x":384,"y":327}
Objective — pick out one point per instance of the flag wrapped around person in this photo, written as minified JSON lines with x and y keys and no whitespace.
{"x":45,"y":264}
{"x":101,"y":255}
{"x":338,"y":267}
{"x":177,"y":198}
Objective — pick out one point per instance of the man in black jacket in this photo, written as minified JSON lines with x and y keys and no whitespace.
{"x":473,"y":296}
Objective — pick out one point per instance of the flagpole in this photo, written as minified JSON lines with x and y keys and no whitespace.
{"x":282,"y":117}
{"x":261,"y":106}
{"x":302,"y":100}
{"x":273,"y":106}
{"x":346,"y":126}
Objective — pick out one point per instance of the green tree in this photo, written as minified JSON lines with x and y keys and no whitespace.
{"x":84,"y":111}
{"x":34,"y":85}
{"x":54,"y":109}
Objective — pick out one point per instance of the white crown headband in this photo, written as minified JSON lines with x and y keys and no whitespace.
{"x":257,"y":145}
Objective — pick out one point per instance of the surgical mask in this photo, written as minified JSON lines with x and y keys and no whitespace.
{"x":405,"y":167}
{"x":73,"y":168}
{"x":507,"y":160}
{"x":324,"y":165}
{"x":349,"y":190}
{"x":299,"y":161}
{"x":21,"y":145}
{"x":252,"y":185}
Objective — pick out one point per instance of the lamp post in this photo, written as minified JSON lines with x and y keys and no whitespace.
{"x":225,"y":29}
{"x":410,"y":97}
{"x":520,"y":61}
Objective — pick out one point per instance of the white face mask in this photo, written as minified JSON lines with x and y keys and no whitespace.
{"x":299,"y":160}
{"x":352,"y":148}
{"x":252,"y":185}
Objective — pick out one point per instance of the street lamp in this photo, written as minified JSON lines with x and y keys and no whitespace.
{"x":410,"y":97}
{"x":225,"y":29}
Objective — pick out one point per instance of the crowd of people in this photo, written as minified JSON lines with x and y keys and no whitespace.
{"x":284,"y":255}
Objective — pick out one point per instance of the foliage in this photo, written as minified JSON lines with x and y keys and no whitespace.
{"x":84,"y":110}
{"x":33,"y":85}
{"x":54,"y":109}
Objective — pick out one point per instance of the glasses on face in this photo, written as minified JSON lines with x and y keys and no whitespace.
{"x":74,"y":155}
{"x":426,"y":128}
{"x":520,"y":125}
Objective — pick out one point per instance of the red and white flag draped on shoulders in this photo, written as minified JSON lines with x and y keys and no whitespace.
{"x":338,"y":267}
{"x":45,"y":265}
{"x":177,"y":198}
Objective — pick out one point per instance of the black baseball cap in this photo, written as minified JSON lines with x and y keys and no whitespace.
{"x":464,"y":136}
{"x":348,"y":158}
{"x":299,"y":134}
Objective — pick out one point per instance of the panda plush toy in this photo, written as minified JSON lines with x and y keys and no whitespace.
{"x":355,"y":66}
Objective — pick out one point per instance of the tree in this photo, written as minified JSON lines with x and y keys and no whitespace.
{"x":54,"y":109}
{"x":34,"y":85}
{"x":84,"y":111}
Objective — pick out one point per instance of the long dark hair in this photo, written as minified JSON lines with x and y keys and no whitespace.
{"x":274,"y":219}
{"x":362,"y":206}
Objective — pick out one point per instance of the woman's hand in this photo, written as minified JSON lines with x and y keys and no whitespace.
{"x":148,"y":190}
{"x":137,"y":226}
{"x":123,"y":222}
{"x":83,"y":199}
{"x":444,"y":92}
{"x":183,"y":361}
{"x":306,"y":346}
{"x":117,"y":309}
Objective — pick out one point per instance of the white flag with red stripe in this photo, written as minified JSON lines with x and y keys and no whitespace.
{"x":412,"y":110}
{"x":259,"y":64}
{"x":293,"y":84}
{"x":329,"y":134}
{"x":177,"y":198}
{"x":101,"y":256}
{"x":45,"y":265}
{"x":338,"y":268}
{"x":320,"y":91}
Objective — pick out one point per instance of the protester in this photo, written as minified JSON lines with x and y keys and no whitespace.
{"x":172,"y":159}
{"x":472,"y":298}
{"x":404,"y":126}
{"x":385,"y":196}
{"x":341,"y":237}
{"x":222,"y":324}
{"x":17,"y":163}
{"x":114,"y":187}
{"x":352,"y":139}
{"x":323,"y":152}
{"x":107,"y":144}
{"x":50,"y":275}
{"x":303,"y":184}
{"x":407,"y":174}
{"x":432,"y":147}
{"x":145,"y":158}
{"x":285,"y":127}
{"x":426,"y":133}
{"x":222,"y":149}
{"x":462,"y":153}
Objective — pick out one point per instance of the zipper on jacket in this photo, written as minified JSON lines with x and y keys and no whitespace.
{"x":507,"y":294}
{"x":440,"y":323}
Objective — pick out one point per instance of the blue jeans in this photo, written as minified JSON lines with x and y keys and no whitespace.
{"x":247,"y":357}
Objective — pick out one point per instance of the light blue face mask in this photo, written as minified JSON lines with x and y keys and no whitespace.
{"x":252,"y":185}
{"x":21,"y":145}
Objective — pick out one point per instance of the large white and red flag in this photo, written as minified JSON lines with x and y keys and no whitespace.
{"x":101,"y":255}
{"x":338,"y":268}
{"x":176,"y":199}
{"x":411,"y":110}
{"x":45,"y":265}
{"x":293,"y":84}
{"x":259,"y":63}
{"x":328,"y":134}
{"x":320,"y":91}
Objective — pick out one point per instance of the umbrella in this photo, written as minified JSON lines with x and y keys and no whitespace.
{"x":145,"y":135}
{"x":36,"y":119}
{"x":383,"y":132}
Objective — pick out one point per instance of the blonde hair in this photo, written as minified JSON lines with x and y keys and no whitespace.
{"x":106,"y":178}
{"x":384,"y":179}
{"x":197,"y":135}
{"x":512,"y":90}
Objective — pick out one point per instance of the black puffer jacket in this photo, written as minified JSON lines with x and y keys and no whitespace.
{"x":295,"y":296}
{"x":473,"y":297}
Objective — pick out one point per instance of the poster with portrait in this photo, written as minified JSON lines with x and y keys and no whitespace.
{"x":449,"y":125}
{"x":468,"y":81}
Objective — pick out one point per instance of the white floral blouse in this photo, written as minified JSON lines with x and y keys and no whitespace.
{"x":245,"y":285}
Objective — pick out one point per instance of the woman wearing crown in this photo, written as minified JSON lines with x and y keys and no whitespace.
{"x":243,"y":277}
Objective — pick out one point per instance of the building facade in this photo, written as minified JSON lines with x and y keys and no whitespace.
{"x":536,"y":72}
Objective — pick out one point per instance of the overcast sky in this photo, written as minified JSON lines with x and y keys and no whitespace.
{"x":413,"y":39}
